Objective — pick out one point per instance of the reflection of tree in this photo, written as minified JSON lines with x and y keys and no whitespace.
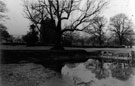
{"x":121,"y":73}
{"x":60,"y":10}
{"x":122,"y":28}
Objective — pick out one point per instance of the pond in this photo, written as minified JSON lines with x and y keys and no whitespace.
{"x":89,"y":73}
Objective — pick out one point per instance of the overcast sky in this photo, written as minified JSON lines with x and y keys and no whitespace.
{"x":18,"y":25}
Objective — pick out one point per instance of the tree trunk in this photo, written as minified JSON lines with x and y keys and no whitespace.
{"x":120,"y":41}
{"x":100,"y":41}
{"x":58,"y":44}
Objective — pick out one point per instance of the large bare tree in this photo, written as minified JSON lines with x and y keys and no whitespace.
{"x":60,"y":10}
{"x":122,"y":27}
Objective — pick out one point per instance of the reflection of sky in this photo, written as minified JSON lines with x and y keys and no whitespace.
{"x":18,"y":25}
{"x":81,"y":74}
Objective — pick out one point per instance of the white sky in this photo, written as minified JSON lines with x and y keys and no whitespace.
{"x":18,"y":25}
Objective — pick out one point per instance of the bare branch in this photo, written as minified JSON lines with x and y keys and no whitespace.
{"x":65,"y":30}
{"x":92,"y":10}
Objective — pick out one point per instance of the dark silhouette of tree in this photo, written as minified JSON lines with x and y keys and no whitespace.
{"x":31,"y":38}
{"x":122,"y":28}
{"x":60,"y":10}
{"x":4,"y":35}
{"x":97,"y":30}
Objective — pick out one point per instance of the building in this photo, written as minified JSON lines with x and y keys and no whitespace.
{"x":47,"y":31}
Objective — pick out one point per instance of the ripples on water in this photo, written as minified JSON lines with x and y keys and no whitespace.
{"x":90,"y":74}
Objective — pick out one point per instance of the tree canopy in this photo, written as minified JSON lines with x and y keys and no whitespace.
{"x":121,"y":27}
{"x":97,"y":29}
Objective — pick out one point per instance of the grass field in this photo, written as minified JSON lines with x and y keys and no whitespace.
{"x":120,"y":50}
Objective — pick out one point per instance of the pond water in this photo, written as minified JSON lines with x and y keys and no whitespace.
{"x":89,"y":73}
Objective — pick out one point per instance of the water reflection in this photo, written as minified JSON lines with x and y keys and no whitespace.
{"x":91,"y":74}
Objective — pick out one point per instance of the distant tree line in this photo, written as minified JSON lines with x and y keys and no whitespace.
{"x":4,"y":35}
{"x":119,"y":31}
{"x":31,"y":38}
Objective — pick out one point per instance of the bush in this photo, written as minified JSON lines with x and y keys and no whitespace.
{"x":30,"y":38}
